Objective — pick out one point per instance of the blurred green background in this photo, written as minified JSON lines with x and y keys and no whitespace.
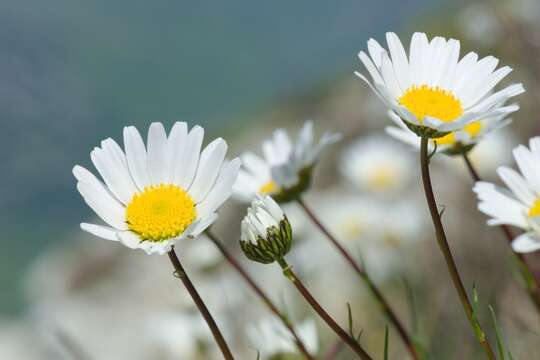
{"x":73,"y":72}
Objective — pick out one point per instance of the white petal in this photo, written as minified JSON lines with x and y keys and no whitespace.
{"x":157,"y":154}
{"x":388,"y":74}
{"x":203,"y":224}
{"x":399,"y":60}
{"x":99,"y":199}
{"x":187,"y":166}
{"x":497,"y":203}
{"x":136,"y":157}
{"x":486,"y":86}
{"x":526,"y":243}
{"x":104,"y":232}
{"x":111,"y":163}
{"x":517,"y":185}
{"x":221,"y":190}
{"x":417,"y":53}
{"x":529,"y":166}
{"x":177,"y":147}
{"x":209,"y":165}
{"x":370,"y":67}
{"x":129,"y":239}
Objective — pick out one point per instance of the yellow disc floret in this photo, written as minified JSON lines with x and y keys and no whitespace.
{"x":535,"y":209}
{"x":270,"y":187}
{"x":431,"y":101}
{"x":160,"y":212}
{"x":473,"y":129}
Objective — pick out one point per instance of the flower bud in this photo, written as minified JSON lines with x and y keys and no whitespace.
{"x":266,"y":233}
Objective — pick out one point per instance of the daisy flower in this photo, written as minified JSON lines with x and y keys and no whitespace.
{"x":376,"y":164}
{"x":154,"y":196}
{"x":431,"y":89}
{"x":286,"y":168}
{"x":520,"y":206}
{"x":273,"y":339}
{"x":457,"y":142}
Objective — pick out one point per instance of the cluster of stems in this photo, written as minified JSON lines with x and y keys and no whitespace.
{"x":532,"y":284}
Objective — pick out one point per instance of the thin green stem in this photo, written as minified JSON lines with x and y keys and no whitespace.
{"x":385,"y":305}
{"x":447,"y":253}
{"x":180,"y":273}
{"x":348,"y":339}
{"x":531,"y":282}
{"x":266,"y":300}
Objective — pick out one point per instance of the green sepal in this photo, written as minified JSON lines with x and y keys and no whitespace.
{"x":274,"y":246}
{"x":424,"y":131}
{"x":289,"y":194}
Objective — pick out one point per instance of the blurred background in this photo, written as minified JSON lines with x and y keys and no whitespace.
{"x":73,"y":73}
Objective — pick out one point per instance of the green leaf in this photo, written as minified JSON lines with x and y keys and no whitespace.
{"x":500,"y":342}
{"x":385,"y":343}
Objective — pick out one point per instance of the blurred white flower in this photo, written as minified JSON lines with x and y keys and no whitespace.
{"x":521,"y":205}
{"x":286,"y":168}
{"x":431,"y":90}
{"x":477,"y":22}
{"x":494,"y":150}
{"x":151,"y":199}
{"x":271,"y":338}
{"x":375,"y":164}
{"x":373,"y":229}
{"x":454,"y":143}
{"x":178,"y":335}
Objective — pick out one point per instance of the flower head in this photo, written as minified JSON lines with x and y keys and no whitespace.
{"x":266,"y":234}
{"x":521,"y":205}
{"x":152,"y":197}
{"x":377,"y":165}
{"x":432,"y":90}
{"x":456,"y":142}
{"x":285,"y":171}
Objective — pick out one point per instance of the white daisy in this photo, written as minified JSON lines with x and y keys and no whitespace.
{"x":156,"y":196}
{"x":271,"y":338}
{"x":376,"y":164}
{"x":431,"y":90}
{"x":521,"y":205}
{"x":286,"y":168}
{"x":456,"y":142}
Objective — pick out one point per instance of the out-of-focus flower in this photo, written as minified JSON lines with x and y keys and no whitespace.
{"x":266,"y":233}
{"x":454,"y":143}
{"x":376,"y":164}
{"x":178,"y":336}
{"x":286,"y":169}
{"x":477,"y":22}
{"x":274,"y":341}
{"x":521,"y":206}
{"x":433,"y":91}
{"x":151,"y":199}
{"x":493,"y":151}
{"x":368,"y":227}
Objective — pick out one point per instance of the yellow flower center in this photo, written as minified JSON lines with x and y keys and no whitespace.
{"x":535,"y":209}
{"x":431,"y":101}
{"x":160,"y":212}
{"x":270,"y":187}
{"x":473,"y":129}
{"x":383,"y":177}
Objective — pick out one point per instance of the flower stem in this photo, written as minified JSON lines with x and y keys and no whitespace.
{"x":447,"y":253}
{"x":531,"y":282}
{"x":348,"y":339}
{"x":179,"y":272}
{"x":273,"y":308}
{"x":387,"y":309}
